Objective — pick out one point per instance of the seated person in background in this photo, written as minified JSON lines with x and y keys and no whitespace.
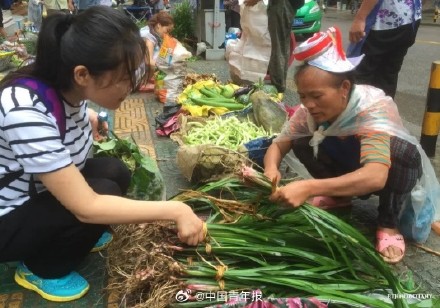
{"x":351,"y":139}
{"x":159,"y":25}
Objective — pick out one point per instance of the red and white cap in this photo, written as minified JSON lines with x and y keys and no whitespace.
{"x":324,"y":50}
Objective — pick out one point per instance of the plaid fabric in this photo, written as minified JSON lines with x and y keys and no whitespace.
{"x":406,"y":166}
{"x":406,"y":169}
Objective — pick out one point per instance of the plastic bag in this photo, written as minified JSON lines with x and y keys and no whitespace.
{"x":418,"y":227}
{"x":422,"y":208}
{"x":257,"y":148}
{"x":171,"y":51}
{"x":166,"y":122}
{"x":248,"y":57}
{"x":168,"y":82}
{"x":172,"y":67}
{"x":166,"y":50}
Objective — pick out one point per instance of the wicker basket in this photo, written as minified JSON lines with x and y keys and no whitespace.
{"x":5,"y":60}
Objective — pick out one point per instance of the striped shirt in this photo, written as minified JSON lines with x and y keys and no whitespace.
{"x":375,"y":148}
{"x":30,"y":141}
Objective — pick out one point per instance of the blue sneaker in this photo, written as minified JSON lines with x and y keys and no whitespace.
{"x":67,"y":288}
{"x":105,"y":239}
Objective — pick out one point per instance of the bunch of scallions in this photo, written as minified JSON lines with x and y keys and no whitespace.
{"x":253,"y":244}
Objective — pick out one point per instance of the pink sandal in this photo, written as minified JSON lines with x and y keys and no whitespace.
{"x":327,"y":203}
{"x":385,"y":240}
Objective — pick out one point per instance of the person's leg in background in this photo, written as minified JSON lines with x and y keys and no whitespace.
{"x":280,"y":14}
{"x":228,"y":24}
{"x":354,"y":6}
{"x":366,"y":71}
{"x":436,"y":10}
{"x":235,"y":19}
{"x":384,"y":54}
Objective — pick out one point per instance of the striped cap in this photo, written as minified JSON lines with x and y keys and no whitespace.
{"x":324,"y":50}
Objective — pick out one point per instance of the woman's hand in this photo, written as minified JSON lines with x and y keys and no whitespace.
{"x":357,"y":30}
{"x":189,"y":226}
{"x":273,"y":174}
{"x":293,"y":194}
{"x":97,"y":127}
{"x":71,"y":5}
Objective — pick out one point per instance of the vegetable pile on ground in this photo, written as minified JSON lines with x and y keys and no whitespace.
{"x":146,"y":181}
{"x":251,"y":244}
{"x":204,"y":95}
{"x":213,"y":147}
{"x":209,"y":95}
{"x":230,"y":133}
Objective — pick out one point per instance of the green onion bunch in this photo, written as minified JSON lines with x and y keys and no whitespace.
{"x":284,"y":252}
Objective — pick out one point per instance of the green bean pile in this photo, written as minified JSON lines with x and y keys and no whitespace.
{"x":230,"y":133}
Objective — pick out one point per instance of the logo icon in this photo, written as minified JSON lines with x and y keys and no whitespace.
{"x":182,"y":296}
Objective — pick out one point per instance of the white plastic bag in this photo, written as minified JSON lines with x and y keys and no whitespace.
{"x":423,"y":207}
{"x":171,"y":52}
{"x":169,"y":83}
{"x":171,"y":61}
{"x":248,"y":57}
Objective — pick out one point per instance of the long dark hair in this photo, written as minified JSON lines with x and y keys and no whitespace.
{"x":100,"y":38}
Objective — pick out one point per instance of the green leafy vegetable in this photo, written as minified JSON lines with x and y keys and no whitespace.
{"x":146,"y":182}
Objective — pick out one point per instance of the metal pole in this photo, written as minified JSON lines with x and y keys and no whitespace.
{"x":216,"y":23}
{"x":431,"y":119}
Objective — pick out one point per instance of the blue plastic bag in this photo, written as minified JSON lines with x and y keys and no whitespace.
{"x":417,"y":228}
{"x":257,"y":149}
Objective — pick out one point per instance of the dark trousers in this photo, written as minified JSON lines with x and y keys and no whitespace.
{"x":337,"y":157}
{"x":232,"y":19}
{"x":47,"y":237}
{"x":384,"y":54}
{"x":280,"y":15}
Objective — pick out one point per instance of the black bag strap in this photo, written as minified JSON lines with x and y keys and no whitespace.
{"x":50,"y":98}
{"x":10,"y":177}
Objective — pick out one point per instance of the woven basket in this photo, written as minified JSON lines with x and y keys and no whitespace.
{"x":5,"y":60}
